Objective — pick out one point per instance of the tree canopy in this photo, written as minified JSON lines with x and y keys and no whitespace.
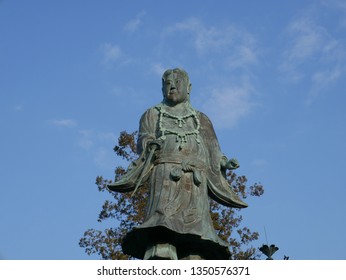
{"x":128,"y":211}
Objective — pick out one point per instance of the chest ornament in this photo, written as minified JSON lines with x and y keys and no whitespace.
{"x":181,"y":131}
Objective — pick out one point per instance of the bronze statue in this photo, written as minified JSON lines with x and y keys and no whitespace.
{"x":181,"y":160}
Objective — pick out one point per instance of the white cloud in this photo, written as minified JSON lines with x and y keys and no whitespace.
{"x":158,"y":69}
{"x":339,"y":7}
{"x":99,"y":146}
{"x":226,"y":106}
{"x":205,"y":38}
{"x":314,"y":54}
{"x":86,"y":139}
{"x":324,"y":77}
{"x":111,"y":52}
{"x":211,"y":38}
{"x":231,"y":44}
{"x":134,"y":24}
{"x":107,"y":136}
{"x":225,"y":49}
{"x":114,"y":55}
{"x":306,"y":41}
{"x":63,"y":122}
{"x":321,"y":80}
{"x":104,"y":158}
{"x":243,"y":56}
{"x":337,"y":4}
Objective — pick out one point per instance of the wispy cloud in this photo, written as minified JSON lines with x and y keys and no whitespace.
{"x":63,"y":122}
{"x":226,"y":106}
{"x":158,"y":69}
{"x":89,"y":137}
{"x":321,"y":80}
{"x":307,"y":41}
{"x":107,"y":136}
{"x":226,"y":48}
{"x":114,"y":55}
{"x":313,"y":54}
{"x":111,"y":52}
{"x":104,"y":158}
{"x":338,"y":6}
{"x":99,"y":146}
{"x":203,"y":38}
{"x":244,"y":56}
{"x":325,"y":77}
{"x":86,"y":141}
{"x":135,"y":23}
{"x":229,"y":49}
{"x":236,"y":47}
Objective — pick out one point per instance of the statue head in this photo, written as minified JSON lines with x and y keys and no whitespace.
{"x":176,"y":86}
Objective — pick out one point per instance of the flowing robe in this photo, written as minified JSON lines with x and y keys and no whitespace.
{"x":183,"y":172}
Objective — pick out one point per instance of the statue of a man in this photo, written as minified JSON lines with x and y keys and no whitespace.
{"x":181,"y":160}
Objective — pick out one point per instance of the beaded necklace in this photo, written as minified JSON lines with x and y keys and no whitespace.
{"x":181,"y":136}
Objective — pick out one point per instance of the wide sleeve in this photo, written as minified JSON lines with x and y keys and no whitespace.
{"x":218,"y":187}
{"x":138,"y":171}
{"x":147,"y":129}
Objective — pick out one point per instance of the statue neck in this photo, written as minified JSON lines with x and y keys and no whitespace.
{"x":180,"y":108}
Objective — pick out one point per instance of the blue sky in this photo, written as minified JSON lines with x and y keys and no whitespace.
{"x":269,"y":74}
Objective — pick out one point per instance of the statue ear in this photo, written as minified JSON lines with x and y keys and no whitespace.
{"x":189,"y":88}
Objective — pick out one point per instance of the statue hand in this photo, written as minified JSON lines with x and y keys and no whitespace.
{"x":232,"y":164}
{"x":155,"y":144}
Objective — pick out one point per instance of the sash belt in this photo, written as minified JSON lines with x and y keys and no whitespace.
{"x":184,"y":165}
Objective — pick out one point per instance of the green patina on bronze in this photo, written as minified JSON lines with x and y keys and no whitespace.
{"x":180,"y":159}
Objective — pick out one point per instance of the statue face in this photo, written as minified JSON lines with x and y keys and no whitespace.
{"x":175,"y":89}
